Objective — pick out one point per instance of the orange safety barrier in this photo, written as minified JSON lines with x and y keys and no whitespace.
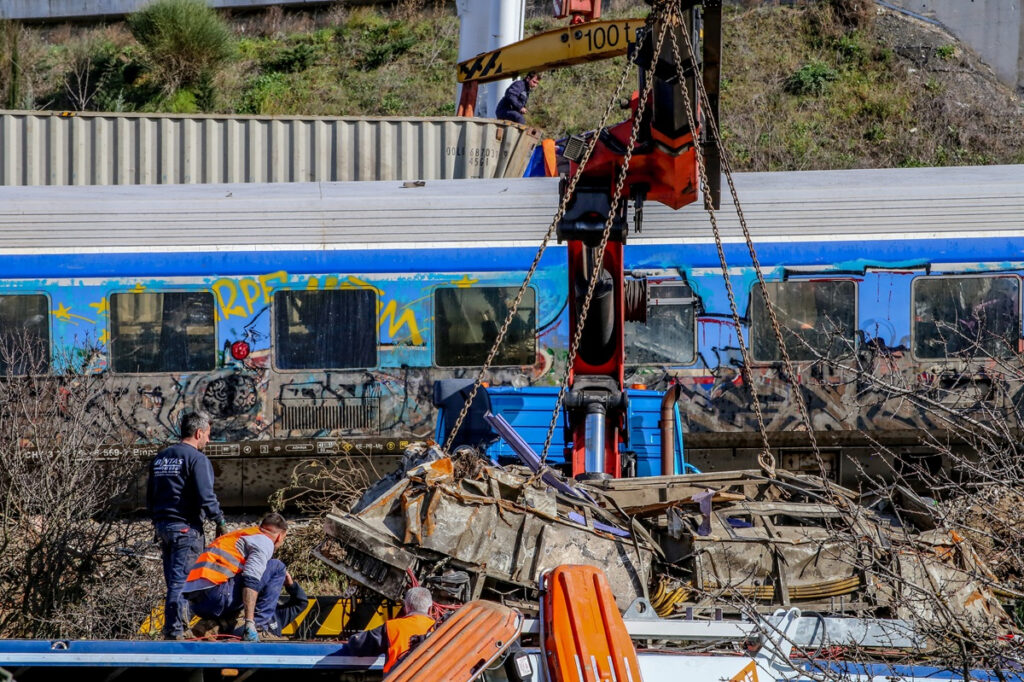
{"x":462,"y":647}
{"x":584,"y":637}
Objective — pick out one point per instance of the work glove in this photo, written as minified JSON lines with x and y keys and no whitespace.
{"x":222,"y":528}
{"x":249,"y":633}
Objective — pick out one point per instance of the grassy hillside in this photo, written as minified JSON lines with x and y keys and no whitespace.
{"x":803,"y":87}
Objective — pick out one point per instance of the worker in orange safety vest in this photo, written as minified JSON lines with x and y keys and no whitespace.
{"x":399,"y":635}
{"x":236,"y":572}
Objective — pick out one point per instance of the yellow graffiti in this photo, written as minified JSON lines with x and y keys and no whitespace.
{"x":226,"y":290}
{"x":101,"y":307}
{"x":104,"y":336}
{"x":465,"y":282}
{"x":140,"y":287}
{"x":353,"y":282}
{"x":239,"y":298}
{"x":406,"y":318}
{"x":63,"y":313}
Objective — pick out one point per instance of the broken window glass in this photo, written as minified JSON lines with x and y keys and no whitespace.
{"x":818,"y":319}
{"x":24,"y":334}
{"x":966,"y":317}
{"x":332,"y":329}
{"x":162,"y":332}
{"x":466,"y":324}
{"x":668,"y":336}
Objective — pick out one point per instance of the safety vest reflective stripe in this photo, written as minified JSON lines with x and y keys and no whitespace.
{"x":399,"y":632}
{"x":226,"y":570}
{"x":228,"y":557}
{"x":221,"y":560}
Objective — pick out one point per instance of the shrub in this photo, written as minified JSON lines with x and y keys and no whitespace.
{"x":262,"y":92}
{"x":946,"y":52}
{"x":849,"y":48}
{"x":853,"y":13}
{"x":811,"y":79}
{"x":184,"y":39}
{"x":292,"y":59}
{"x":385,"y":43}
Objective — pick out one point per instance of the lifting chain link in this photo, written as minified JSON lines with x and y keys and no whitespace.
{"x":563,"y":204}
{"x":765,"y":458}
{"x":599,"y":258}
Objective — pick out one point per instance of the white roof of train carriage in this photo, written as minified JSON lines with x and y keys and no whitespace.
{"x":834,"y":205}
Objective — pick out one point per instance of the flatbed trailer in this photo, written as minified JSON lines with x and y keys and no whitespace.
{"x":84,"y":660}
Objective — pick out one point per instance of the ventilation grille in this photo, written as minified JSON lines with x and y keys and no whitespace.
{"x":346,"y":414}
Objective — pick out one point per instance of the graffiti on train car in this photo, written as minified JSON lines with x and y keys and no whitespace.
{"x":877,"y":331}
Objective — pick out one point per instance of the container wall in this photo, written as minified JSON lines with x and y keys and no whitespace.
{"x":43,"y":10}
{"x":42,"y":148}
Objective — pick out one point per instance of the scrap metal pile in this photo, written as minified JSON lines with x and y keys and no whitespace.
{"x":734,"y":540}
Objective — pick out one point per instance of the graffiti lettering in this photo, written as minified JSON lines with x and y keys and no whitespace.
{"x":407,"y":317}
{"x":252,"y":289}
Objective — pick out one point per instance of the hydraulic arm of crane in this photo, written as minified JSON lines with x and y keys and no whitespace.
{"x":576,"y":44}
{"x":663,"y":168}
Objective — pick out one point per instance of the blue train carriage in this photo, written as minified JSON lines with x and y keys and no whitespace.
{"x":311,"y":320}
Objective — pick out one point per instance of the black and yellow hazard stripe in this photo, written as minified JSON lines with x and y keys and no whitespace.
{"x":340,"y":616}
{"x":322,"y":617}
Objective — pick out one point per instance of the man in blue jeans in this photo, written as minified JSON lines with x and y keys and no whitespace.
{"x":179,"y":496}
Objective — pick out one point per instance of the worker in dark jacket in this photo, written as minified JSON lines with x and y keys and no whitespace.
{"x":179,"y":496}
{"x":512,"y":107}
{"x":395,"y":637}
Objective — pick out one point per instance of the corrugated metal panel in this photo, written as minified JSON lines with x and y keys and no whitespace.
{"x":788,"y":206}
{"x":66,"y":9}
{"x":40,"y":148}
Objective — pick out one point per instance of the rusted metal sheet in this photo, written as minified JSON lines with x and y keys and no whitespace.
{"x":732,"y":540}
{"x":46,"y":148}
{"x":501,"y":527}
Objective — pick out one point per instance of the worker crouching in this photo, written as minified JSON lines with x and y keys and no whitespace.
{"x":236,"y":573}
{"x":399,"y":635}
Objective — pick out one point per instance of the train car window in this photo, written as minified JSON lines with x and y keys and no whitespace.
{"x":24,"y":334}
{"x":171,"y":331}
{"x":818,"y":318}
{"x":466,"y":324}
{"x":965,"y":317}
{"x":325,"y":329}
{"x":668,"y":336}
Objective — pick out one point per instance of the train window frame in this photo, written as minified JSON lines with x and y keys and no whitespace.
{"x":694,"y":301}
{"x":954,"y":360}
{"x":820,"y":279}
{"x":49,"y":331}
{"x":275,"y":335}
{"x":109,"y":350}
{"x":434,"y":326}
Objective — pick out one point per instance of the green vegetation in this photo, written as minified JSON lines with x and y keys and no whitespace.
{"x":946,"y":52}
{"x":184,"y":41}
{"x":811,"y":79}
{"x":836,"y":84}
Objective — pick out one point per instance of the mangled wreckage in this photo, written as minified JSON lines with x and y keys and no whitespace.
{"x":739,"y":541}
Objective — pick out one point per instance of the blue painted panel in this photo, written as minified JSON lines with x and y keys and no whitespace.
{"x":529,"y":410}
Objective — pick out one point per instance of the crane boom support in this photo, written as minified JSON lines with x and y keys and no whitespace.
{"x":552,"y":49}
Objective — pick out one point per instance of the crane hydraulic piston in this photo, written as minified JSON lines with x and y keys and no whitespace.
{"x":662,"y":167}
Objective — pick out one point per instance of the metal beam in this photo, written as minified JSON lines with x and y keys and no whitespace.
{"x":146,"y":654}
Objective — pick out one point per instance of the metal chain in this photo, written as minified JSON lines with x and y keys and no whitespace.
{"x":765,"y":458}
{"x":599,"y":258}
{"x":540,"y":253}
{"x":769,"y":306}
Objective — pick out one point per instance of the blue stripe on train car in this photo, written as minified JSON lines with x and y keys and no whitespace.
{"x":528,"y":410}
